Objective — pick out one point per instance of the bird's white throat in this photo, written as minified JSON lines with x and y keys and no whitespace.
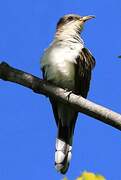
{"x":69,"y":32}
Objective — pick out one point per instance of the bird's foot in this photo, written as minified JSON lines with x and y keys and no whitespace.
{"x":69,"y":93}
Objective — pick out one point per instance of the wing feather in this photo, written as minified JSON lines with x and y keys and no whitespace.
{"x":85,"y":64}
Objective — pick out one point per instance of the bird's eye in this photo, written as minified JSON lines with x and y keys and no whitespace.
{"x":70,"y":18}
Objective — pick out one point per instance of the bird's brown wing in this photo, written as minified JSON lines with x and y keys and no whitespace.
{"x":85,"y":63}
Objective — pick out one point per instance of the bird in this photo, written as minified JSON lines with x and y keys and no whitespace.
{"x":68,"y":64}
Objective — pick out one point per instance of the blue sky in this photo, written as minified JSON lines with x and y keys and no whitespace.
{"x":27,"y":127}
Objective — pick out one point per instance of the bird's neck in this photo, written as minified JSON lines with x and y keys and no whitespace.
{"x":67,"y":34}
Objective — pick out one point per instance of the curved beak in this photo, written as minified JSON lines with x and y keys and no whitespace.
{"x":85,"y":18}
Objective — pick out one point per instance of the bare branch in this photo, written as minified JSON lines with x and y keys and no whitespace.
{"x":80,"y":104}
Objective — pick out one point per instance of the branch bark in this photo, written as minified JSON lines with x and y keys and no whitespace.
{"x":79,"y":103}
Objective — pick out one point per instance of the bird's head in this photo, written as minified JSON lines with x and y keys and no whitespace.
{"x":71,"y":22}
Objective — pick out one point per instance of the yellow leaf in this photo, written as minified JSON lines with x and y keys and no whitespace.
{"x":90,"y":176}
{"x":65,"y":178}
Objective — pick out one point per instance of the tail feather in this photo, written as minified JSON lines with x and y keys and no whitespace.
{"x":62,"y":156}
{"x":65,"y":119}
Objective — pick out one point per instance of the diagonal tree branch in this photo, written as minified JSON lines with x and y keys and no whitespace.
{"x":80,"y":104}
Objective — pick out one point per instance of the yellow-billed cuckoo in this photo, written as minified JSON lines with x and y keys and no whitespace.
{"x":67,"y":64}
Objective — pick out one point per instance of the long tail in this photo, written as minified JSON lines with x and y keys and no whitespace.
{"x":66,"y":125}
{"x":65,"y":117}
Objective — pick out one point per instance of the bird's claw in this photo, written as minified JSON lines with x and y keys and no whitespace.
{"x":69,"y":93}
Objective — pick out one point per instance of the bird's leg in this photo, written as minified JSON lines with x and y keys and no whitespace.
{"x":69,"y":93}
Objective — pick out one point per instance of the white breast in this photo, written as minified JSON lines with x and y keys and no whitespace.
{"x":59,"y":65}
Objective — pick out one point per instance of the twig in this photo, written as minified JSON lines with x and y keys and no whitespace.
{"x":79,"y":103}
